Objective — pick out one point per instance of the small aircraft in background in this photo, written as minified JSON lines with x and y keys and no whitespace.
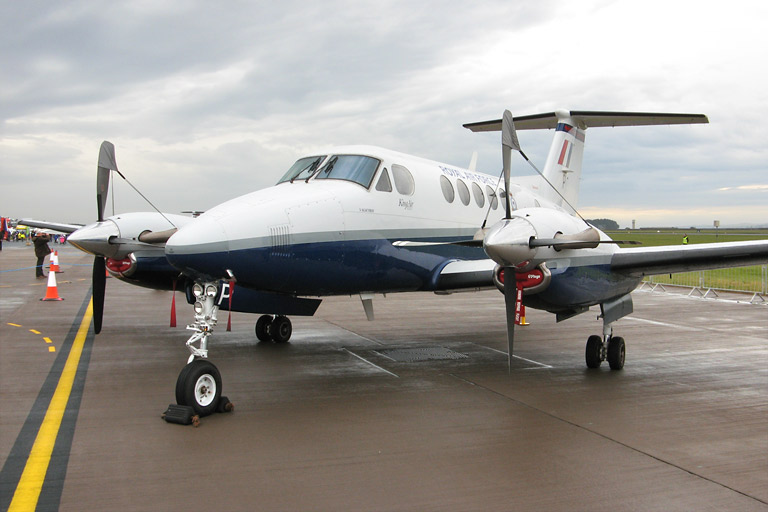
{"x":366,"y":220}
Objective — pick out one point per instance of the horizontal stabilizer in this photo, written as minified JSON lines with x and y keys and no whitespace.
{"x":590,"y":118}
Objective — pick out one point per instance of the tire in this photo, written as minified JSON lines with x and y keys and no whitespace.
{"x":262,"y":328}
{"x":592,"y":354}
{"x":281,"y":329}
{"x":202,"y":387}
{"x":616,"y":353}
{"x":180,"y":398}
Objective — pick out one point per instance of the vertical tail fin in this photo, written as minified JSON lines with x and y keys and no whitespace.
{"x":563,"y":166}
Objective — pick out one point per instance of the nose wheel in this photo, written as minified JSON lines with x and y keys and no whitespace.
{"x":199,"y":386}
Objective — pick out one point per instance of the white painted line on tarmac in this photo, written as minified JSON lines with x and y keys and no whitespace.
{"x":541,"y":365}
{"x":370,"y":363}
{"x":663,"y":324}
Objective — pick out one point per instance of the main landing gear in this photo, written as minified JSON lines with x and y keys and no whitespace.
{"x":609,"y":347}
{"x":274,"y":328}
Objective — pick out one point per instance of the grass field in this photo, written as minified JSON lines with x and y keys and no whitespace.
{"x":750,"y":279}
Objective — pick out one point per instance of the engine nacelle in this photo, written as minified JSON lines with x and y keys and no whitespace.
{"x":146,"y":269}
{"x":533,"y":234}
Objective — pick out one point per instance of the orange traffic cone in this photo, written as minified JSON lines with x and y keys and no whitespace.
{"x":52,"y":293}
{"x":55,"y":262}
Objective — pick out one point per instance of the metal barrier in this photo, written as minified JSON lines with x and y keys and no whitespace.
{"x":752,"y":280}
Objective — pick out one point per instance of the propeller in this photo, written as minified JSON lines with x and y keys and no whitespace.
{"x":106,"y":164}
{"x":509,"y":142}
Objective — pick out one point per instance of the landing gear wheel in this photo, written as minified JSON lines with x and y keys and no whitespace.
{"x":201,"y":386}
{"x":281,"y":329}
{"x":616,"y":353}
{"x":593,"y":353}
{"x":262,"y":327}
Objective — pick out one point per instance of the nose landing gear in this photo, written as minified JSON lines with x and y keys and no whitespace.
{"x":199,"y":383}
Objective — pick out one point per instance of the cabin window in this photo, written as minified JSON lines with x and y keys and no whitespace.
{"x":478,"y":193}
{"x":384,"y":185}
{"x":492,"y":197}
{"x":356,"y":168}
{"x":463,"y":192}
{"x":403,"y":180}
{"x":302,"y":169}
{"x":447,"y":187}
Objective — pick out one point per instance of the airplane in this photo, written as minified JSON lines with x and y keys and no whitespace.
{"x":364,"y":220}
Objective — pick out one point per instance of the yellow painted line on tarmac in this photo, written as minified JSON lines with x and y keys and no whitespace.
{"x":33,"y":331}
{"x":13,"y":325}
{"x":47,"y":340}
{"x":31,"y":482}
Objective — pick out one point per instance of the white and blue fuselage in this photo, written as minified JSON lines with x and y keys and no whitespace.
{"x":332,"y":230}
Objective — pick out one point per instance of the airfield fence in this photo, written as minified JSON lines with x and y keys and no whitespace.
{"x":705,"y":283}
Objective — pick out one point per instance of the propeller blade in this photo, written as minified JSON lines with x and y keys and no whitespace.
{"x":508,"y":142}
{"x":510,"y":297}
{"x":99,"y":282}
{"x":587,"y":239}
{"x":577,"y":244}
{"x":106,"y":164}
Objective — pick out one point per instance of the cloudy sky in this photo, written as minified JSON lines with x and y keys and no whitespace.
{"x":205,"y":101}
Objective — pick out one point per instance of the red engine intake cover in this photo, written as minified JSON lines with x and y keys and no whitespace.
{"x":529,"y":279}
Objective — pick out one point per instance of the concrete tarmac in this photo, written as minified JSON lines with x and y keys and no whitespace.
{"x":413,"y":411}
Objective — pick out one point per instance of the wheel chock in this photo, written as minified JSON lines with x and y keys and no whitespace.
{"x":181,"y":414}
{"x":225,"y":405}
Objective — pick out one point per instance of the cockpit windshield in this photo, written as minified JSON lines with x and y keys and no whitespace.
{"x":302,"y":169}
{"x":357,"y":168}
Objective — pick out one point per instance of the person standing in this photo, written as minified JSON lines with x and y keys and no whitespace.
{"x":3,"y":230}
{"x":41,"y":251}
{"x":685,"y":239}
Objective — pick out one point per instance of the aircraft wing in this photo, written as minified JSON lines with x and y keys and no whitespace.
{"x":56,"y":226}
{"x":668,"y":259}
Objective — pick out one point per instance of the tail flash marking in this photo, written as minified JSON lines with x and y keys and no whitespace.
{"x":562,"y":153}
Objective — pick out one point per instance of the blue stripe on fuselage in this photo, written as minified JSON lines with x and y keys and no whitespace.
{"x":330,"y":268}
{"x":349,"y":267}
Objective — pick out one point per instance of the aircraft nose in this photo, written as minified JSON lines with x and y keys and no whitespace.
{"x":94,"y":238}
{"x":200,"y":248}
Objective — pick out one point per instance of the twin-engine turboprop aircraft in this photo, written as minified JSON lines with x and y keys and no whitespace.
{"x":366,"y":220}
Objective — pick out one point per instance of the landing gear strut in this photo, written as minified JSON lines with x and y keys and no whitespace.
{"x":274,"y":328}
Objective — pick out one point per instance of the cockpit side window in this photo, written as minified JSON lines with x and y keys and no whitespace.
{"x":356,"y":168}
{"x":384,"y":185}
{"x":403,"y":180}
{"x":302,"y":169}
